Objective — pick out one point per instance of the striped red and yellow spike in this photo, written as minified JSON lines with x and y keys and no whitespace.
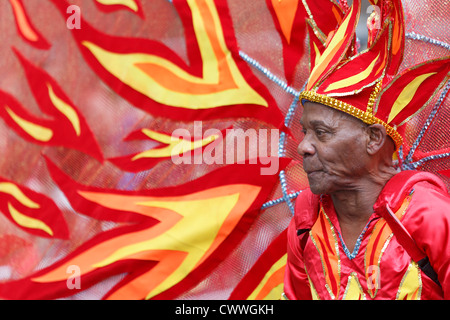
{"x":360,"y":72}
{"x":325,"y":16}
{"x":409,"y":92}
{"x":316,"y":45}
{"x":322,"y":20}
{"x":337,"y":47}
{"x":338,"y":72}
{"x":289,"y":20}
{"x":392,"y":12}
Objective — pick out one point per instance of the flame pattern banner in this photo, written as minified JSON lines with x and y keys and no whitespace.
{"x":93,"y":204}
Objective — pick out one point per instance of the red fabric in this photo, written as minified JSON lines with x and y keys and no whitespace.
{"x":30,"y":288}
{"x":121,"y":45}
{"x":88,"y":122}
{"x":293,"y":48}
{"x":426,"y":219}
{"x":274,"y":252}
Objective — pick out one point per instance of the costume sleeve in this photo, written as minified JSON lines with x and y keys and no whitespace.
{"x":296,"y":283}
{"x":429,"y":225}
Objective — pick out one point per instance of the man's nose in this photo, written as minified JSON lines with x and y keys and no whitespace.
{"x":306,"y":147}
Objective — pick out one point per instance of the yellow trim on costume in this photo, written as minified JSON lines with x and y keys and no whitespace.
{"x":353,"y":291}
{"x":411,"y":284}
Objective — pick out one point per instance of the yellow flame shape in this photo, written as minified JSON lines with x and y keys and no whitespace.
{"x":127,"y":3}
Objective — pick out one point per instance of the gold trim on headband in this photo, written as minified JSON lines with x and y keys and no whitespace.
{"x":365,"y":116}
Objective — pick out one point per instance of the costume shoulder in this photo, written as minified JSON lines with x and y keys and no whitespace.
{"x":306,"y":210}
{"x":427,"y":217}
{"x":430,"y":203}
{"x":402,"y":184}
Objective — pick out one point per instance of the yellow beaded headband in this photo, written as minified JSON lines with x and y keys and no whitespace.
{"x":365,"y":116}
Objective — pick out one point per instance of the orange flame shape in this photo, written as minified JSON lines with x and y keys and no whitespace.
{"x":26,"y":28}
{"x":177,"y":238}
{"x":157,"y":80}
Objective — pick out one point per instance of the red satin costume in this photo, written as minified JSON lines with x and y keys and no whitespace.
{"x":318,"y":266}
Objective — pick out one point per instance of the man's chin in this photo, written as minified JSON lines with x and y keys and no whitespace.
{"x":318,"y":187}
{"x":314,"y":188}
{"x":317,"y":191}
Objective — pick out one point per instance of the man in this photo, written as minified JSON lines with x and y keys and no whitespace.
{"x":363,"y":230}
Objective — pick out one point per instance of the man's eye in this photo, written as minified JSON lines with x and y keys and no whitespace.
{"x":320,"y":132}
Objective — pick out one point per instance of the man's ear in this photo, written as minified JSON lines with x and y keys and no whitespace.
{"x":377,"y":136}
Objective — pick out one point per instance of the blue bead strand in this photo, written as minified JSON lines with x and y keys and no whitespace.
{"x":268,"y":74}
{"x":419,"y":37}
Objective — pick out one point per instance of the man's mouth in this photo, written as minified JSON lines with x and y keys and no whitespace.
{"x":310,"y":171}
{"x":311,"y":168}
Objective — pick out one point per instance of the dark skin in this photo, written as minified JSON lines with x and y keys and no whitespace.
{"x":348,"y":160}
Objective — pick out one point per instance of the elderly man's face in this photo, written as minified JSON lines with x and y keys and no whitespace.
{"x":333,"y":149}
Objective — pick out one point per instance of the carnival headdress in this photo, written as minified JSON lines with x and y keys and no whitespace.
{"x":367,"y":84}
